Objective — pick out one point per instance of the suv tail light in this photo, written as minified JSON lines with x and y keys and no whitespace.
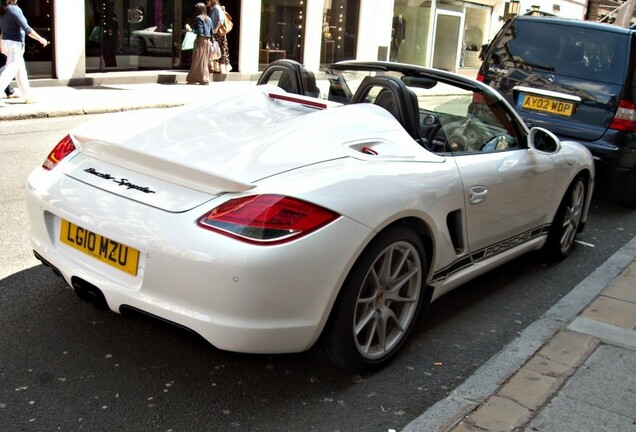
{"x":625,"y":117}
{"x":481,"y":77}
{"x":267,"y":219}
{"x":59,"y":152}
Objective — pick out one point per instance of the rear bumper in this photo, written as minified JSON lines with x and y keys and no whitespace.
{"x":239,"y":297}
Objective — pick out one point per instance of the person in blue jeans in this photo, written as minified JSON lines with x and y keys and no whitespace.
{"x":13,"y":30}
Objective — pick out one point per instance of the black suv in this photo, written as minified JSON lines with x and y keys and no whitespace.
{"x":575,"y":78}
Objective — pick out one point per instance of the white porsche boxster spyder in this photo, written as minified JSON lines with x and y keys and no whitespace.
{"x":275,"y":222}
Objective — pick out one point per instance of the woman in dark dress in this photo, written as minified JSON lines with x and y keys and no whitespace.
{"x":200,"y":66}
{"x":222,"y":65}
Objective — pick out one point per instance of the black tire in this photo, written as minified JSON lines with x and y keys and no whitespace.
{"x":567,"y":221}
{"x":378,"y":304}
{"x":142,"y":49}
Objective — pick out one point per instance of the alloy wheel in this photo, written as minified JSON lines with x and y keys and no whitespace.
{"x":387,"y":300}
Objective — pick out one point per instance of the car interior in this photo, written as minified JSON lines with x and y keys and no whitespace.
{"x":462,"y":121}
{"x":458,"y":124}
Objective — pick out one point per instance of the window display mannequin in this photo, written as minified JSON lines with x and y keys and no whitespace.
{"x":398,"y":34}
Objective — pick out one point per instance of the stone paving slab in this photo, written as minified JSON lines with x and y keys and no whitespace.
{"x":607,"y":380}
{"x":547,"y":367}
{"x":612,"y":311}
{"x":608,"y":333}
{"x":569,"y":348}
{"x":530,"y":389}
{"x":624,"y":288}
{"x":499,"y":414}
{"x":564,"y":414}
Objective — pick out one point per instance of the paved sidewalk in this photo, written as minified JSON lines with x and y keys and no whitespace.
{"x":58,"y":101}
{"x":571,"y":370}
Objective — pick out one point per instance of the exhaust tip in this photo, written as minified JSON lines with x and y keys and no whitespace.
{"x":89,"y":293}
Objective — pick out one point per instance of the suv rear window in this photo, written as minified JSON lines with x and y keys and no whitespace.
{"x":565,"y":50}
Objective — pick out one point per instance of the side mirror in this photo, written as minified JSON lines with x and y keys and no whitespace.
{"x":543,"y":140}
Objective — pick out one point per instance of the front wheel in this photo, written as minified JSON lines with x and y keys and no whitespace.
{"x":141,"y":48}
{"x":566,"y":223}
{"x":379,"y":303}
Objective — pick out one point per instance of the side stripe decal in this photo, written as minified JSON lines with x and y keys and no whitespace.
{"x":488,"y":252}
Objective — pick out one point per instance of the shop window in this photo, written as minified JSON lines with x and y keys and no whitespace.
{"x":339,"y":30}
{"x":282,"y":31}
{"x":134,"y":34}
{"x":410,"y":33}
{"x":450,"y":34}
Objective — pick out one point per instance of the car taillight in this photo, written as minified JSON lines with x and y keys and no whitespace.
{"x":267,"y":219}
{"x":481,"y":77}
{"x":625,"y":117}
{"x":59,"y":152}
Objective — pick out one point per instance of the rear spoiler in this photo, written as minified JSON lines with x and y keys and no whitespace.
{"x":174,"y":172}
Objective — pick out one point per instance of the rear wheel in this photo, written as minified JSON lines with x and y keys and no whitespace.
{"x":379,"y":303}
{"x":567,"y":221}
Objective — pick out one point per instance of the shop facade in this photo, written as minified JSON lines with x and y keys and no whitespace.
{"x":92,"y":36}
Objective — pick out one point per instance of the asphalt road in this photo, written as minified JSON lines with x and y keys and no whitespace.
{"x":67,"y":366}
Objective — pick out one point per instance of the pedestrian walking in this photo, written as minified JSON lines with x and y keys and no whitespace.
{"x":221,"y":65}
{"x":13,"y":30}
{"x":200,"y":65}
{"x":9,"y":90}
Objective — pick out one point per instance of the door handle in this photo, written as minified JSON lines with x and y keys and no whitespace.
{"x":477,"y":194}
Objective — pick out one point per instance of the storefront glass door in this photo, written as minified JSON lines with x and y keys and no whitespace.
{"x":39,"y":60}
{"x":446,"y":45}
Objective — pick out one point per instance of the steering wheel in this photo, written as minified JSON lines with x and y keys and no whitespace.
{"x":456,"y":143}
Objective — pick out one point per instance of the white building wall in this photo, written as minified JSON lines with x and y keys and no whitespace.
{"x":70,"y":46}
{"x":574,"y":9}
{"x":249,"y":36}
{"x":313,"y":34}
{"x":496,"y":19}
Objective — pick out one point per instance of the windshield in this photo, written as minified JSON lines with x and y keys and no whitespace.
{"x":577,"y":52}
